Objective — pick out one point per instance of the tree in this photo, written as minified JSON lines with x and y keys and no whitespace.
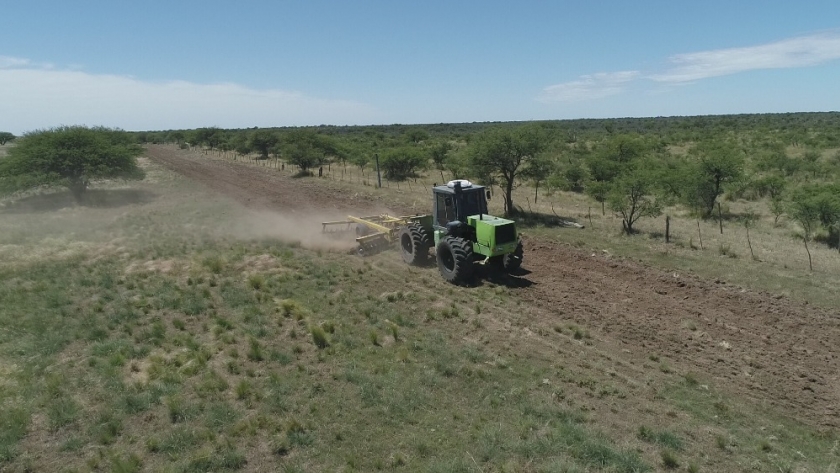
{"x":574,"y":177}
{"x":776,"y":159}
{"x":503,"y":151}
{"x":805,"y":211}
{"x":772,"y":186}
{"x":439,"y":152}
{"x":416,"y":135}
{"x":212,"y":137}
{"x":306,"y":148}
{"x":302,"y":154}
{"x":538,"y":170}
{"x":178,"y":136}
{"x":6,"y":137}
{"x":609,"y":162}
{"x":262,"y":141}
{"x":717,"y":165}
{"x":777,"y":208}
{"x":70,"y":156}
{"x":632,"y":195}
{"x":401,"y":163}
{"x":825,"y":201}
{"x":239,"y":144}
{"x":811,"y":161}
{"x":599,"y":190}
{"x":749,"y":219}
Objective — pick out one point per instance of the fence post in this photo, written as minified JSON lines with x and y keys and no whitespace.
{"x":378,"y":176}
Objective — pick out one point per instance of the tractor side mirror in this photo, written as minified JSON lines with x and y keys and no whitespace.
{"x":488,"y":195}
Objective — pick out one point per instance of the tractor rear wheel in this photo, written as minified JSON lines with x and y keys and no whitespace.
{"x":455,"y":259}
{"x":414,"y":244}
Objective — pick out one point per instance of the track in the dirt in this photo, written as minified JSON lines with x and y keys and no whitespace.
{"x":771,"y":350}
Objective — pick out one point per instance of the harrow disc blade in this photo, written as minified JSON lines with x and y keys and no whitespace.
{"x":372,"y":244}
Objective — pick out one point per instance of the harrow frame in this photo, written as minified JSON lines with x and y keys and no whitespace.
{"x":374,"y":233}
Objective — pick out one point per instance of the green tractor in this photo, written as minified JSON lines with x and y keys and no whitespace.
{"x":462,"y":232}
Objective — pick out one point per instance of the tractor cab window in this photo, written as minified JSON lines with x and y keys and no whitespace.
{"x":445,"y":209}
{"x":472,"y":203}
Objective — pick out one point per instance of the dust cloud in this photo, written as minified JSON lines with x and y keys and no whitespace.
{"x":306,"y":230}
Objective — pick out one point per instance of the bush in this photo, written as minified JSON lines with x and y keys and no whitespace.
{"x":402,"y":163}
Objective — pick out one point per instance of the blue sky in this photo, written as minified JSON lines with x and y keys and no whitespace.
{"x":168,"y":64}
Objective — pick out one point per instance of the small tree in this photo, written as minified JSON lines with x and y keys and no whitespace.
{"x":439,"y":152}
{"x":6,"y":137}
{"x":416,"y":135}
{"x":717,"y":165}
{"x":263,"y":141}
{"x":211,"y":137}
{"x":599,"y":190}
{"x":805,"y":211}
{"x":539,"y":169}
{"x":631,"y":195}
{"x":777,"y":208}
{"x":574,"y":177}
{"x":303,"y":155}
{"x":239,"y":144}
{"x":811,"y":162}
{"x":307,"y":148}
{"x":70,"y":156}
{"x":772,"y":186}
{"x":749,"y":220}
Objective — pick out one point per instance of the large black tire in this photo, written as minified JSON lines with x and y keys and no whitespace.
{"x":511,"y":261}
{"x":414,"y":243}
{"x":455,"y":259}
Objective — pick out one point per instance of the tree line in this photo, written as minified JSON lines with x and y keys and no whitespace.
{"x":634,"y":167}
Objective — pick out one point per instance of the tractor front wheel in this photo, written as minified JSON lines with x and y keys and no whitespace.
{"x":455,"y":259}
{"x":414,"y":244}
{"x":511,"y":261}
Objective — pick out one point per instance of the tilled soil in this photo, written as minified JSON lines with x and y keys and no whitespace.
{"x":755,"y":345}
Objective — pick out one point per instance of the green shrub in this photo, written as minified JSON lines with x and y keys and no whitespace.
{"x":319,"y":336}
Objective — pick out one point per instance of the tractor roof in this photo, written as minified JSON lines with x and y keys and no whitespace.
{"x":466,"y":186}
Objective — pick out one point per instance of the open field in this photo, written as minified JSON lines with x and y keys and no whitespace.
{"x":202,"y":323}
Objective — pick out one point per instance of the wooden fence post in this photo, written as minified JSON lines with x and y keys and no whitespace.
{"x":700,"y":235}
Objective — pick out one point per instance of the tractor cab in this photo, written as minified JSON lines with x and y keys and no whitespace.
{"x":456,"y":201}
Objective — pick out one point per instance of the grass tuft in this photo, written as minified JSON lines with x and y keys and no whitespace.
{"x":319,"y":336}
{"x":669,"y":459}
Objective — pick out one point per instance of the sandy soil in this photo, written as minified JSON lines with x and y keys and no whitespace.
{"x":758,"y":346}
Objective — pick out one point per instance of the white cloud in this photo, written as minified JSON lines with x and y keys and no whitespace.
{"x":588,"y":87}
{"x":794,"y":52}
{"x":36,"y":97}
{"x":8,"y":62}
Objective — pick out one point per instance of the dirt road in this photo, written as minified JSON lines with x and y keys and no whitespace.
{"x":758,"y":346}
